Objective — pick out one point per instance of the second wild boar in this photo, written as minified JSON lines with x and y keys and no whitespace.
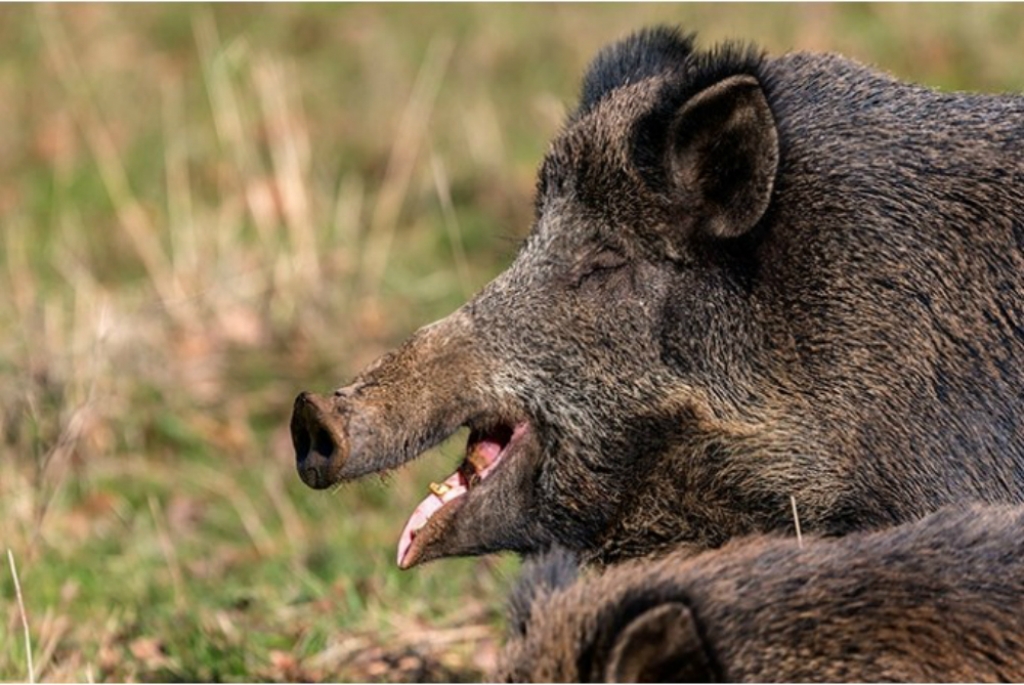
{"x":936,"y":600}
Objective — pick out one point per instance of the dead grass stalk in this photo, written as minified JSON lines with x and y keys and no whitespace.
{"x":24,"y":617}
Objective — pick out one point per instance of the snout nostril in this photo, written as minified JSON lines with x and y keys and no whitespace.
{"x":301,"y":442}
{"x":322,"y":442}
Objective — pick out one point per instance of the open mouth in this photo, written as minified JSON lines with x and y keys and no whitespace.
{"x":485,"y":449}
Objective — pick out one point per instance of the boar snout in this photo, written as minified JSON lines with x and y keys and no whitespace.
{"x":320,"y":439}
{"x":403,"y":404}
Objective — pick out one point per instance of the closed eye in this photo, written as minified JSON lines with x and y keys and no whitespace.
{"x":601,"y":263}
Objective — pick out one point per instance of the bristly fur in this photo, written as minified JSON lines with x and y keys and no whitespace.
{"x":545,"y":574}
{"x":642,"y":55}
{"x":665,"y":51}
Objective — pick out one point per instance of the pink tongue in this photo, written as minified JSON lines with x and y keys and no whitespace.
{"x":426,"y":509}
{"x":483,"y":456}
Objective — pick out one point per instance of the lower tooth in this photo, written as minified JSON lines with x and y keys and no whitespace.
{"x":440,"y":489}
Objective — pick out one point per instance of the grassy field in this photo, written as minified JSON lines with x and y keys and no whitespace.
{"x":205,"y":209}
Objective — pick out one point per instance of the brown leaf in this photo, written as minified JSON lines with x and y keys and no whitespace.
{"x":150,"y":652}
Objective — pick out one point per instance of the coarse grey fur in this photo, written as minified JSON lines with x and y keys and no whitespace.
{"x":937,"y":600}
{"x":749,"y":279}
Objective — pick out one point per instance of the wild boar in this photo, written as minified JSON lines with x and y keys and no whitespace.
{"x":937,"y":600}
{"x":748,"y":279}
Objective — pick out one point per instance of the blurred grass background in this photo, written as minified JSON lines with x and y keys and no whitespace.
{"x":205,"y":209}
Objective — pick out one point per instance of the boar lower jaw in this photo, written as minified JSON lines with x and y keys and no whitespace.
{"x":485,"y":449}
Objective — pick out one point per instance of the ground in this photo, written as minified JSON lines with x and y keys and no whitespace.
{"x":204,"y":210}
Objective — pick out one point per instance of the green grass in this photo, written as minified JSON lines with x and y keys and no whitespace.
{"x":204,"y":210}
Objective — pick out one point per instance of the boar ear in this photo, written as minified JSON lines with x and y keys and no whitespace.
{"x":723,"y":153}
{"x":661,"y":645}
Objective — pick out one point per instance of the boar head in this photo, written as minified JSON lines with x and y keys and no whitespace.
{"x":614,"y":375}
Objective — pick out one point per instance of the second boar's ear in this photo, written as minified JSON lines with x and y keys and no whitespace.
{"x":723,"y":153}
{"x":661,"y":645}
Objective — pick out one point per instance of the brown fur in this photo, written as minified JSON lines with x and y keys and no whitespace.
{"x":941,"y":599}
{"x":749,"y":278}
